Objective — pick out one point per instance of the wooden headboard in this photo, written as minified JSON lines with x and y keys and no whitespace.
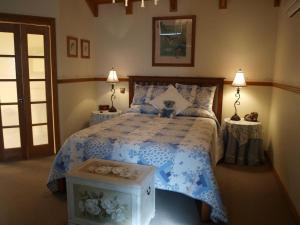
{"x":201,"y":81}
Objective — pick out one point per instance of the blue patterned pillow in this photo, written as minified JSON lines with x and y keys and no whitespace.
{"x":205,"y":97}
{"x":140,"y":93}
{"x":187,"y":91}
{"x":198,"y":112}
{"x":195,"y":112}
{"x":149,"y":109}
{"x":154,"y":91}
{"x":134,"y":109}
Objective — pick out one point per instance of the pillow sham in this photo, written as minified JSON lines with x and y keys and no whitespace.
{"x":134,"y":109}
{"x":187,"y":91}
{"x":197,"y":112}
{"x":149,"y":109}
{"x":140,"y":93}
{"x":154,"y":91}
{"x":205,"y":97}
{"x":171,"y":94}
{"x":145,"y":108}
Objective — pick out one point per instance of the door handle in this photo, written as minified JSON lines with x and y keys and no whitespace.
{"x":20,"y":100}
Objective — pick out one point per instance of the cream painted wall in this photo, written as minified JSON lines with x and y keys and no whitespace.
{"x":284,"y":126}
{"x":287,"y":64}
{"x":75,"y":19}
{"x":284,"y":141}
{"x":243,"y":36}
{"x":76,"y":102}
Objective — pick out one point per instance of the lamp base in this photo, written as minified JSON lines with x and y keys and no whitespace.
{"x":112,"y":109}
{"x":235,"y":117}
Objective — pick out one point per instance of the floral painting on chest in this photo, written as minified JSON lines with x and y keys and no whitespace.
{"x":102,"y":206}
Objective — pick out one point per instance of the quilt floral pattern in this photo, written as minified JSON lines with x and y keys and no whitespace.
{"x":179,"y":149}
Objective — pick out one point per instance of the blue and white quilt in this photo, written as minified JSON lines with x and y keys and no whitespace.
{"x":179,"y":148}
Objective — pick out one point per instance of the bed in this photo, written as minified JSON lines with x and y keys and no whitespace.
{"x":184,"y":156}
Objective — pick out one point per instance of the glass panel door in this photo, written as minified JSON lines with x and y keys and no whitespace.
{"x":36,"y":76}
{"x":10,"y":103}
{"x":26,"y":124}
{"x":36,"y":60}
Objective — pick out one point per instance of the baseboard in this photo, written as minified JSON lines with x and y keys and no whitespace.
{"x":291,"y":205}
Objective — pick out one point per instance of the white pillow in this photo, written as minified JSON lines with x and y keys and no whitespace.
{"x":173,"y":95}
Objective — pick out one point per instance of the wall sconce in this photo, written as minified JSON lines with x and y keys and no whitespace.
{"x":239,"y":81}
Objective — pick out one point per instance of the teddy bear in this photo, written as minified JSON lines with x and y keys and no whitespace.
{"x":169,"y":109}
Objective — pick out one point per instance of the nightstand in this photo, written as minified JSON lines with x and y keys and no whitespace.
{"x":243,"y":142}
{"x":97,"y":116}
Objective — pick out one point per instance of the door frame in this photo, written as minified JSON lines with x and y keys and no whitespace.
{"x":47,"y":21}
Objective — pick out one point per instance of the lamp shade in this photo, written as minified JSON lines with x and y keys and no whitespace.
{"x":239,"y":80}
{"x":112,"y":77}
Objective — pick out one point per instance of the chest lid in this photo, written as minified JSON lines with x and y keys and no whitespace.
{"x":113,"y":172}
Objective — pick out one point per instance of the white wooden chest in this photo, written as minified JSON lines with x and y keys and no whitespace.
{"x":110,"y":193}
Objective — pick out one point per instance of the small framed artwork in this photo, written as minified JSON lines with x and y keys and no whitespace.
{"x":173,"y":41}
{"x":85,"y":48}
{"x":72,"y":46}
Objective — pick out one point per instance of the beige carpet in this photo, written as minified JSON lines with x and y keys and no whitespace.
{"x":252,"y":196}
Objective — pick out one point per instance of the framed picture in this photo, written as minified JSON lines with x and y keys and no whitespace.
{"x":173,"y":41}
{"x":292,"y":7}
{"x":85,"y":48}
{"x":72,"y":46}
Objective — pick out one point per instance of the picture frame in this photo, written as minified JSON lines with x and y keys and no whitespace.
{"x":72,"y":46}
{"x":173,"y":41}
{"x":85,"y":48}
{"x":292,"y":7}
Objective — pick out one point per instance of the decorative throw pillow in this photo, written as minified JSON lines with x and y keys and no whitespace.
{"x":171,"y":94}
{"x":140,"y":93}
{"x":205,"y":97}
{"x":154,"y":91}
{"x":187,"y":91}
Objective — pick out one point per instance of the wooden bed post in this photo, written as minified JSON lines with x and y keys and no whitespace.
{"x":61,"y":184}
{"x":204,"y":211}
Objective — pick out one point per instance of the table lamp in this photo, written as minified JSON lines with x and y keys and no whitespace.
{"x":239,"y":81}
{"x":112,"y":78}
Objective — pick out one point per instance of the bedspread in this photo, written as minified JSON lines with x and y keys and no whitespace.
{"x":179,"y":149}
